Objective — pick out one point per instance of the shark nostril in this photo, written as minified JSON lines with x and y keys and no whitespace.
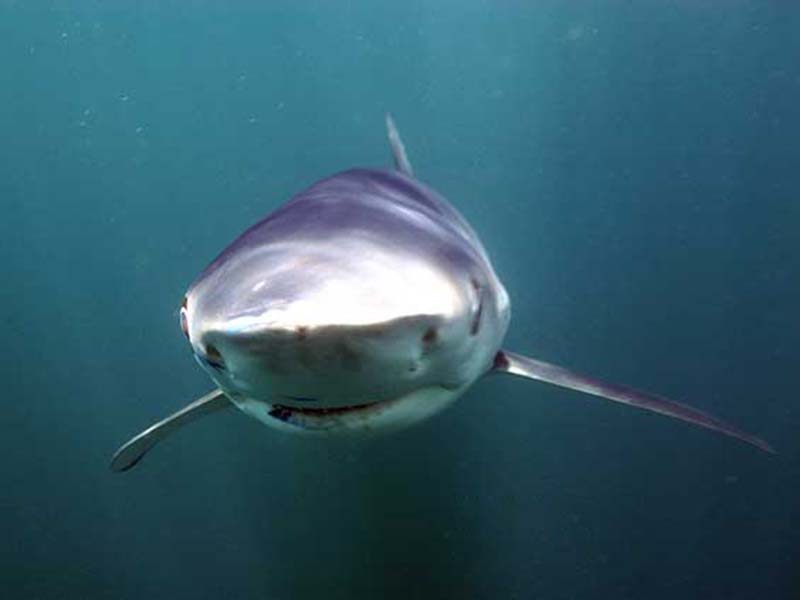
{"x":213,"y":356}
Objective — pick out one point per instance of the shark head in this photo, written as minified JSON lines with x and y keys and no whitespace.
{"x":336,"y":329}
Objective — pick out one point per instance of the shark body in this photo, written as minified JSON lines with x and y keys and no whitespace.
{"x":365,"y":303}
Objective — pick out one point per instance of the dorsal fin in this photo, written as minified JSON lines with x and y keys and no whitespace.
{"x":401,"y":162}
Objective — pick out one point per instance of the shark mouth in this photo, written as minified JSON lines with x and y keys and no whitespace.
{"x":324,"y":418}
{"x":388,"y":414}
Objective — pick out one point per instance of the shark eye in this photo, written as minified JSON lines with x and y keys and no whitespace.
{"x":184,"y":319}
{"x":184,"y":324}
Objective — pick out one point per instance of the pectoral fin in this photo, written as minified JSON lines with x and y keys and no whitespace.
{"x":522,"y":366}
{"x":132,"y":451}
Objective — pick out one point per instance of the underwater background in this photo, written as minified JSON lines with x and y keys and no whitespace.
{"x":633,"y":170}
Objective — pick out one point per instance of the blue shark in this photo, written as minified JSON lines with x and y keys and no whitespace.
{"x":365,"y":303}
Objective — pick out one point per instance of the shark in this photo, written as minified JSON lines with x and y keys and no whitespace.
{"x":365,"y":303}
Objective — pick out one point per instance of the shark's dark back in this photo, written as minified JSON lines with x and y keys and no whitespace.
{"x":386,"y":204}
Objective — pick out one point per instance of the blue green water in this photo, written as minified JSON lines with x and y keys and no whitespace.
{"x":631,"y":167}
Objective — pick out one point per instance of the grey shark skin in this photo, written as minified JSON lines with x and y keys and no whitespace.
{"x":365,"y":303}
